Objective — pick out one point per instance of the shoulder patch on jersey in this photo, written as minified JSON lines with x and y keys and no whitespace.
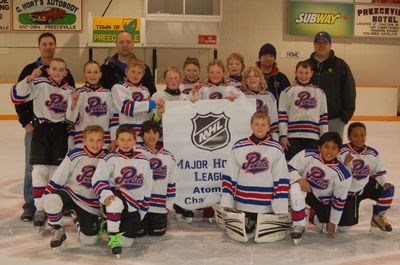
{"x":75,"y":153}
{"x":241,"y":142}
{"x":271,"y":142}
{"x":110,"y":155}
{"x":372,"y":151}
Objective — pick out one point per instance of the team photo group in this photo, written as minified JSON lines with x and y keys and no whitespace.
{"x":97,"y":153}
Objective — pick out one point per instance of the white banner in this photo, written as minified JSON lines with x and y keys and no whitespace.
{"x":201,"y":135}
{"x":5,"y":15}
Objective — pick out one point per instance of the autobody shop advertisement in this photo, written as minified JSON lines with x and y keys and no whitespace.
{"x":47,"y":15}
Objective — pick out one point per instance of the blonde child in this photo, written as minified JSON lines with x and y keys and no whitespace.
{"x":132,"y":99}
{"x":122,"y":182}
{"x":71,"y":188}
{"x":50,"y":134}
{"x":91,"y":105}
{"x":216,"y":86}
{"x":235,"y":66}
{"x":256,"y":178}
{"x":255,"y":86}
{"x":302,"y":112}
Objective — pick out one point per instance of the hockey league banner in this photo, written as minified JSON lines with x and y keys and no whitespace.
{"x":201,"y":135}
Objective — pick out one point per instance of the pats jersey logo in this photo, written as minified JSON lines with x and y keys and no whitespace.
{"x":316,"y":178}
{"x":137,"y":96}
{"x":359,"y":169}
{"x":159,"y":170}
{"x":305,"y":100}
{"x":85,"y":178}
{"x":129,"y":179}
{"x":56,"y":103}
{"x":255,"y":163}
{"x":95,"y":107}
{"x":216,"y":95}
{"x":210,"y":131}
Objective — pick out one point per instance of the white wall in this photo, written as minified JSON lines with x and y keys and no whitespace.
{"x":246,"y":25}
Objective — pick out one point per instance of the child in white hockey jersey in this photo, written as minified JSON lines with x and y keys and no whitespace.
{"x":256,"y":177}
{"x":91,"y":105}
{"x":132,"y":99}
{"x":303,"y":114}
{"x":217,"y":86}
{"x":122,"y":182}
{"x":191,"y":72}
{"x":370,"y":180}
{"x":235,"y":66}
{"x":50,"y":134}
{"x":255,"y":86}
{"x":321,"y":181}
{"x":163,"y":165}
{"x":71,"y":188}
{"x":172,"y":78}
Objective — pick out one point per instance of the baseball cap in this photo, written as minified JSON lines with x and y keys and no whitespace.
{"x":322,"y":35}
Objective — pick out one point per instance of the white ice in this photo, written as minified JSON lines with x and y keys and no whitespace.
{"x":198,"y":243}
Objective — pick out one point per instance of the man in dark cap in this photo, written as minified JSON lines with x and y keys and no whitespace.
{"x":277,"y":81}
{"x":334,"y":77}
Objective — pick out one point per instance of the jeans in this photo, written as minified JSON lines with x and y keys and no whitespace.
{"x":28,"y":197}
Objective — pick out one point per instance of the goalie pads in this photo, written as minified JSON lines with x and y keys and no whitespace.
{"x":272,"y":227}
{"x":235,"y":225}
{"x":219,"y":219}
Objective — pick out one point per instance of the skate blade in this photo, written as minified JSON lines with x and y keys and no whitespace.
{"x":40,"y":229}
{"x":297,"y":241}
{"x":59,"y":250}
{"x":378,"y":232}
{"x":117,"y":256}
{"x":187,"y":220}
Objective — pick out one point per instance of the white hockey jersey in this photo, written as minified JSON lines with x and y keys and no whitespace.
{"x":266,"y":102}
{"x":161,"y":94}
{"x":303,"y":112}
{"x":163,"y":189}
{"x":365,"y":164}
{"x":49,"y":99}
{"x":186,"y":86}
{"x":329,"y":182}
{"x":235,"y":83}
{"x":132,"y":176}
{"x":132,"y":104}
{"x":256,"y":178}
{"x":94,"y":107}
{"x":74,"y":175}
{"x":212,"y":91}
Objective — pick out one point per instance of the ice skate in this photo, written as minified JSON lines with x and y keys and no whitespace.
{"x":297,"y":234}
{"x":58,"y":239}
{"x":115,"y":243}
{"x":40,"y":218}
{"x":183,"y":215}
{"x":379,"y":225}
{"x":208,"y":214}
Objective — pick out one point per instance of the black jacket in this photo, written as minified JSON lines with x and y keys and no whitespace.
{"x":334,"y":77}
{"x":113,"y":74}
{"x":276,"y":81}
{"x":25,"y":110}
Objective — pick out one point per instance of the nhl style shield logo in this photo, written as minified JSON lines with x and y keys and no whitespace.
{"x":210,"y":131}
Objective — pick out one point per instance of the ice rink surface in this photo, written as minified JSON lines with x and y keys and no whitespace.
{"x":199,"y":242}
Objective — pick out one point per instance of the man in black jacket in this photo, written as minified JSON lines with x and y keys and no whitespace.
{"x":334,"y":77}
{"x":113,"y":68}
{"x":47,"y":48}
{"x":276,"y":80}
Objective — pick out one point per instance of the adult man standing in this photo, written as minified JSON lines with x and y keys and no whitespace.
{"x":47,"y":48}
{"x":113,"y":68}
{"x":277,"y":81}
{"x":334,"y":77}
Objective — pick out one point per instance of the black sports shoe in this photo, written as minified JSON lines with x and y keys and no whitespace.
{"x":27,"y":215}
